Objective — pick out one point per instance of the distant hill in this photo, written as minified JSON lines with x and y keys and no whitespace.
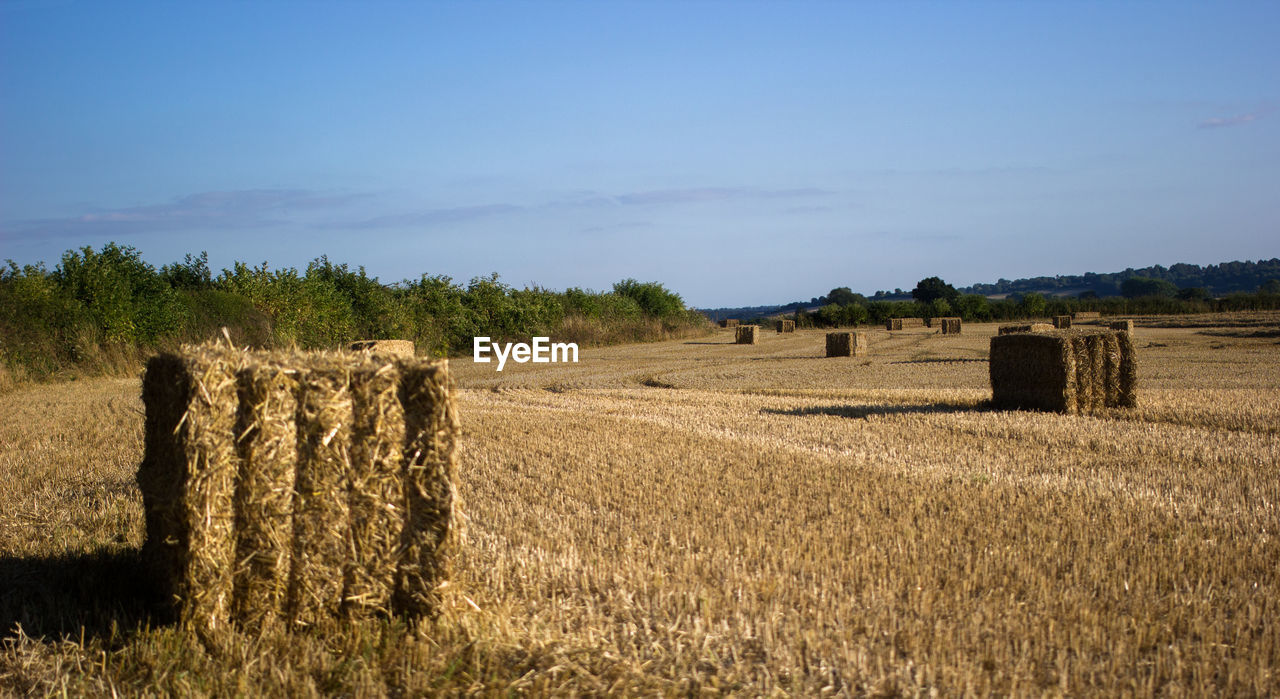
{"x":1220,"y":280}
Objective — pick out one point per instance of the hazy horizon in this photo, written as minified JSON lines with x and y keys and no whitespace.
{"x":739,"y":153}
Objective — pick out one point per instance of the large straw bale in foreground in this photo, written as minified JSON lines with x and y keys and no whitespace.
{"x":295,"y":487}
{"x":747,"y":334}
{"x":847,"y":344}
{"x":948,"y":325}
{"x":398,"y":348}
{"x":1063,"y":371}
{"x":785,"y":326}
{"x":1025,"y":328}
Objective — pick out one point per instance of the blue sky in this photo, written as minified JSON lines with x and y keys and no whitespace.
{"x":739,"y":152}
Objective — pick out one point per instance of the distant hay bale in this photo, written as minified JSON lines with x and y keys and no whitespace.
{"x":747,"y":334}
{"x":398,"y":348}
{"x":1080,"y":316}
{"x":949,"y":325}
{"x":297,"y":487}
{"x":846,"y":344}
{"x":785,"y":326}
{"x":1063,"y":371}
{"x":1062,"y":322}
{"x":912,"y":322}
{"x":729,"y":323}
{"x":1025,"y":328}
{"x":1124,"y":326}
{"x":893,"y":324}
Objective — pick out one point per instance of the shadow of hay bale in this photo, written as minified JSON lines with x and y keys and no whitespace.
{"x":867,"y":411}
{"x":104,"y":592}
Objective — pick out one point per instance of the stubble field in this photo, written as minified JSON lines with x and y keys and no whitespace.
{"x":698,"y":516}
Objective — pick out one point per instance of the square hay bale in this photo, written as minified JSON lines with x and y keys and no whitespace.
{"x":785,"y":326}
{"x":187,"y":477}
{"x":1025,"y":328}
{"x":913,"y":322}
{"x":747,"y":334}
{"x":1063,"y":371}
{"x":1080,"y":316}
{"x":729,"y":323}
{"x":266,"y":442}
{"x":398,"y":348}
{"x":948,"y":325}
{"x":297,"y":487}
{"x":1062,"y":322}
{"x":846,"y":344}
{"x":1124,"y":326}
{"x":893,"y":324}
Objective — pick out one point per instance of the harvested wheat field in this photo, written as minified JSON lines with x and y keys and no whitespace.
{"x":701,"y":516}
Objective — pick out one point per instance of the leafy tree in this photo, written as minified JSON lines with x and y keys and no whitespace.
{"x":1137,"y":287}
{"x":192,"y":273}
{"x":933,"y":288}
{"x":125,"y":298}
{"x":844,"y":296}
{"x":974,"y":307}
{"x":1270,"y":288}
{"x":1193,"y":293}
{"x":1033,"y":304}
{"x":652,"y":297}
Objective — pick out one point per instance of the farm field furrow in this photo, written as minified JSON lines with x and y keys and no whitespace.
{"x":693,"y":516}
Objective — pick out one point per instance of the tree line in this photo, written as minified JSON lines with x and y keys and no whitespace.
{"x":100,"y":310}
{"x":932,"y":298}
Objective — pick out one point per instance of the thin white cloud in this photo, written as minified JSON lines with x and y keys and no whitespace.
{"x":233,"y":209}
{"x":1220,"y":122}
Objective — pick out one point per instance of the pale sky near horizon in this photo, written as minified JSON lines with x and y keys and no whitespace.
{"x":740,"y":153}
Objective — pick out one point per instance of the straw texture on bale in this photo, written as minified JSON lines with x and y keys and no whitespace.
{"x":297,"y":488}
{"x":430,"y":533}
{"x":729,"y":323}
{"x":747,"y":334}
{"x":1026,"y":328}
{"x":1063,"y":371}
{"x":948,"y":325}
{"x":846,"y":344}
{"x":187,"y":478}
{"x":893,"y":324}
{"x":1062,"y":322}
{"x":1125,"y":326}
{"x":785,"y":326}
{"x":320,"y":511}
{"x":1079,"y":316}
{"x":399,"y":348}
{"x":266,"y":442}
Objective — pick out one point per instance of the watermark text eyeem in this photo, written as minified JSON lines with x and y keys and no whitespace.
{"x":542,"y":351}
